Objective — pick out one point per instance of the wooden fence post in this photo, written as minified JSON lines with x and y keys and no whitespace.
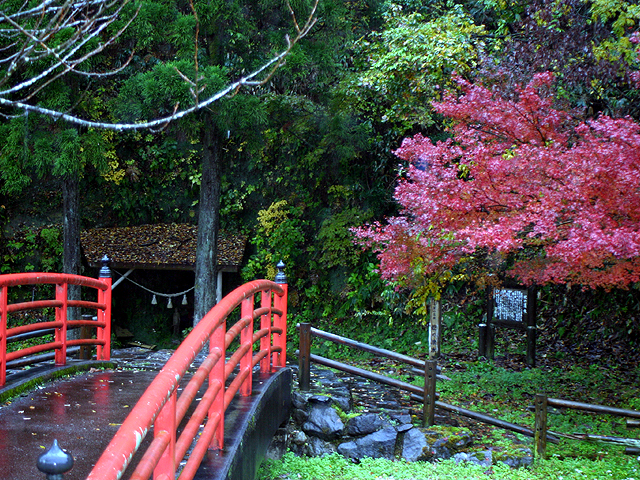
{"x":531,"y":345}
{"x":304,"y":358}
{"x":540,"y":428}
{"x":482,"y":340}
{"x":491,"y":338}
{"x":429,"y":400}
{"x":632,"y":423}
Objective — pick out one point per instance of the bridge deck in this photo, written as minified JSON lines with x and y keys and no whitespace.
{"x":84,"y":412}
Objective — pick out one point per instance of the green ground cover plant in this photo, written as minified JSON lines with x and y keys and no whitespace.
{"x":336,"y":467}
{"x":504,"y":388}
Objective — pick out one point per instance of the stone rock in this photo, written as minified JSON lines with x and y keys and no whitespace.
{"x":279,"y":445}
{"x":299,"y":416}
{"x":401,"y":418}
{"x":341,"y":396}
{"x":364,"y":424}
{"x":320,"y":448}
{"x":299,"y":400}
{"x":388,"y":404}
{"x":460,"y":440}
{"x":323,"y":422}
{"x":444,"y":445}
{"x":298,"y":437}
{"x":320,"y":400}
{"x":380,"y":444}
{"x":385,"y":430}
{"x":299,"y":443}
{"x":522,"y":458}
{"x":405,"y":427}
{"x":477,"y":458}
{"x":414,"y":446}
{"x":325,"y":377}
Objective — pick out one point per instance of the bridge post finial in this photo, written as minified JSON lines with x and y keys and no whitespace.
{"x":105,"y":271}
{"x":281,"y":277}
{"x":55,"y":462}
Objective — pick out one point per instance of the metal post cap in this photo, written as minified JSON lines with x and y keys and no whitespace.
{"x":280,"y":276}
{"x":105,"y":271}
{"x":54,"y":462}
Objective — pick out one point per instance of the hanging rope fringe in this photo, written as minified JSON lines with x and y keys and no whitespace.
{"x":154,"y":300}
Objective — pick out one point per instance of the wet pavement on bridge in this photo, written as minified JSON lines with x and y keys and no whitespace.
{"x":82,"y":412}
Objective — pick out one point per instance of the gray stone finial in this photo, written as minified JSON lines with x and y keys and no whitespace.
{"x":280,"y":276}
{"x":55,"y":462}
{"x":105,"y":271}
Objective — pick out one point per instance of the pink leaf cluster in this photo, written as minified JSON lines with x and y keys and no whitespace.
{"x":523,"y":179}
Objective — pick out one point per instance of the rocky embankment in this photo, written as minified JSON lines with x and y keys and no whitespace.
{"x":357,"y":418}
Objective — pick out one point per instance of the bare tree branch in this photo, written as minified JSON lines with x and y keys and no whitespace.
{"x":31,"y":34}
{"x":36,"y":35}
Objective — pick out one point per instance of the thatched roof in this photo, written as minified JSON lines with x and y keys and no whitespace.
{"x":157,"y":247}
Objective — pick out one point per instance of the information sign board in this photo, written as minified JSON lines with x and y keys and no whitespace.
{"x":510,"y":305}
{"x":511,"y":308}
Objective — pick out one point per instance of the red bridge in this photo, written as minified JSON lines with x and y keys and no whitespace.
{"x":205,"y":386}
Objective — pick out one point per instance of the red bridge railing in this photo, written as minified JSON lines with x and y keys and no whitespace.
{"x":61,"y":323}
{"x":161,"y":409}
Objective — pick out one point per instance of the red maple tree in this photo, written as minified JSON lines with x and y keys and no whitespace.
{"x":557,"y":199}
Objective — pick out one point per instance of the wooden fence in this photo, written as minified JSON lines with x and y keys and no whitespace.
{"x":429,"y":397}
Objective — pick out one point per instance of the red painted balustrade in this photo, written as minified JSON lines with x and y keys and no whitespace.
{"x":162,"y":410}
{"x":61,"y":323}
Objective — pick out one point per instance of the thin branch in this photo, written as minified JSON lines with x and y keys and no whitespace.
{"x":65,"y":63}
{"x":65,"y":15}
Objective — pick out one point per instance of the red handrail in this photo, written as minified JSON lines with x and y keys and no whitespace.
{"x":162,"y":409}
{"x":61,"y":323}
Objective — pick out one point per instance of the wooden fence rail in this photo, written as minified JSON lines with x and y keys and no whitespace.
{"x":542,"y":402}
{"x":426,"y":395}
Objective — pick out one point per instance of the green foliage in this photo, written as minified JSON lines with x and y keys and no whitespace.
{"x":279,"y":237}
{"x":150,"y":178}
{"x":33,"y":249}
{"x":596,"y":316}
{"x":157,"y":92}
{"x":13,"y":154}
{"x":498,"y":15}
{"x":409,"y":64}
{"x":15,"y":346}
{"x":338,"y":248}
{"x":37,"y":147}
{"x":483,"y":386}
{"x":233,"y":204}
{"x":336,"y":467}
{"x":623,"y":15}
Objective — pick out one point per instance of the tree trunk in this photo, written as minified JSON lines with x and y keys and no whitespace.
{"x":71,"y":262}
{"x":208,"y":222}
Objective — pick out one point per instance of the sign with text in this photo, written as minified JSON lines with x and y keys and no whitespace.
{"x":509,"y":308}
{"x":510,"y":305}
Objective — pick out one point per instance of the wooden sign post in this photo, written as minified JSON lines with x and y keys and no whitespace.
{"x":435,"y":328}
{"x":510,"y":308}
